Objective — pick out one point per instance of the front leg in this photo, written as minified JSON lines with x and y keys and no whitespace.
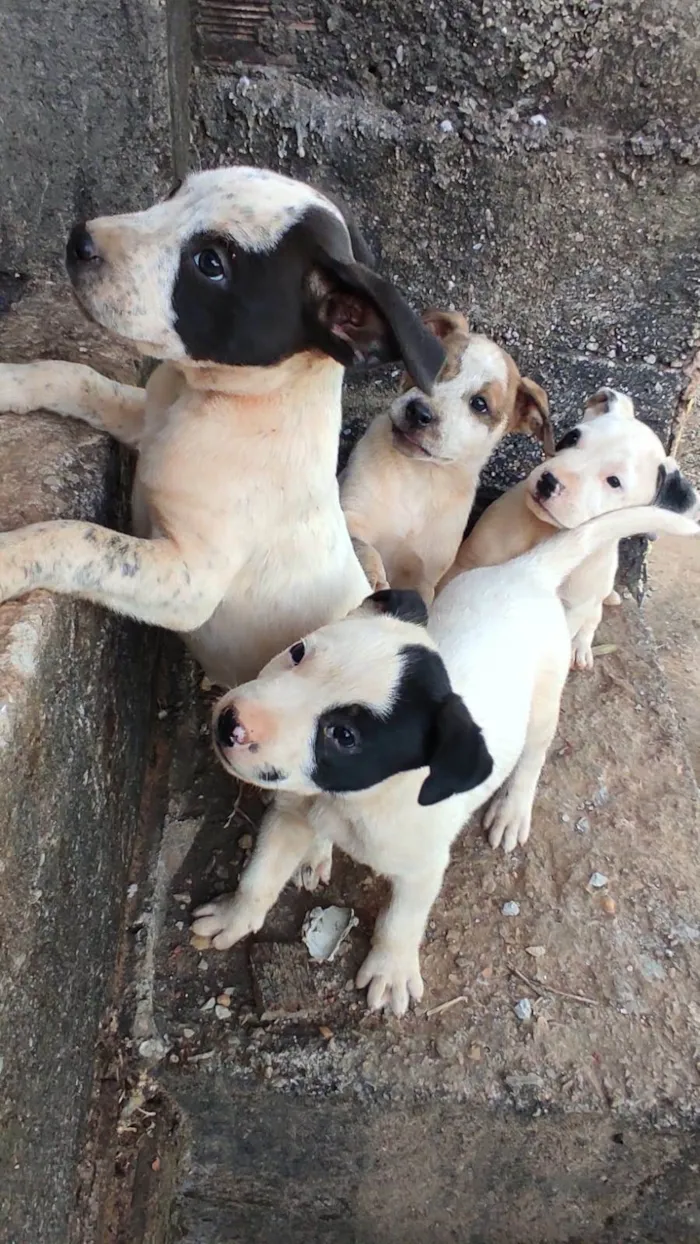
{"x":371,"y":563}
{"x":284,"y":840}
{"x":583,"y":624}
{"x":392,"y":968}
{"x":77,"y":391}
{"x":155,"y":581}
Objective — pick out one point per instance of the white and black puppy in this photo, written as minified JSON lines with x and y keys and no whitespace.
{"x":610,"y":460}
{"x":384,"y":738}
{"x":257,"y":293}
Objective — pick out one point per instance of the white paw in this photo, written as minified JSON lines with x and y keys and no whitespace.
{"x":581,"y":655}
{"x":227,"y":920}
{"x":507,"y":820}
{"x":613,"y":600}
{"x":392,"y":979}
{"x":315,"y":868}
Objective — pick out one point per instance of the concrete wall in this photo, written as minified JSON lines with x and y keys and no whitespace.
{"x":91,"y":115}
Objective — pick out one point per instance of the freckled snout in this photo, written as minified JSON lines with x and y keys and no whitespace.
{"x":547,"y":486}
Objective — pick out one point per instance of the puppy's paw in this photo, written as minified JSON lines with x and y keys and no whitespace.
{"x":613,"y":600}
{"x":372,"y":565}
{"x":507,"y":821}
{"x":227,"y":920}
{"x":392,"y":978}
{"x":581,"y":655}
{"x":315,"y":868}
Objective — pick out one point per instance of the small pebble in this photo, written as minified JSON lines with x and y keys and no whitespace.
{"x":188,"y":1033}
{"x":199,"y":943}
{"x":222,"y":1012}
{"x":209,"y":1004}
{"x":183,"y":898}
{"x":523,"y":1009}
{"x":650,"y":358}
{"x":223,"y":999}
{"x":326,"y":1033}
{"x":162,"y":714}
{"x":446,"y":126}
{"x":245,"y":842}
{"x":582,"y":825}
{"x":536,"y":951}
{"x":538,"y":119}
{"x":475,"y":1053}
{"x":511,"y":909}
{"x":609,"y":906}
{"x":598,"y":881}
{"x":202,"y":965}
{"x":132,"y":890}
{"x":565,"y":818}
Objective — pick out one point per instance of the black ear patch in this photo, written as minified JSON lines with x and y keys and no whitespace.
{"x":401,"y":603}
{"x":674,"y":491}
{"x":459,"y":758}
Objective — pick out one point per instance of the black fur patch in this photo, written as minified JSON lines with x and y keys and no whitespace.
{"x":674,"y":491}
{"x":401,"y":603}
{"x":309,"y":292}
{"x":568,"y":440}
{"x":427,"y":725}
{"x":270,"y":775}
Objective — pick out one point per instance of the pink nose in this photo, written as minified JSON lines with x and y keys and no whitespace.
{"x":229,"y":731}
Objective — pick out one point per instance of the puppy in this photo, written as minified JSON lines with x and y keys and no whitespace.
{"x":384,"y":738}
{"x":256,"y":291}
{"x":607,"y":462}
{"x":410,"y":482}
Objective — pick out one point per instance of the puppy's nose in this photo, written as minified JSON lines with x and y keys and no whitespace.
{"x":229,"y":730}
{"x":547,"y":485}
{"x":418,"y":413}
{"x":82,"y":247}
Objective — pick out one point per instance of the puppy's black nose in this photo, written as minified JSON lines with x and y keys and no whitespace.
{"x":547,"y":485}
{"x":226,"y":726}
{"x":82,"y":247}
{"x":417,"y":413}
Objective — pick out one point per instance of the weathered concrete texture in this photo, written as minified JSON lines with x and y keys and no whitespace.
{"x":93,"y":115}
{"x":75,"y":689}
{"x":577,"y":1126}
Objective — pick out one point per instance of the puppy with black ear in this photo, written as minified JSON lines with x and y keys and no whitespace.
{"x":370,"y":748}
{"x":256,"y":293}
{"x":410,"y":483}
{"x":384,"y":738}
{"x":609,"y":461}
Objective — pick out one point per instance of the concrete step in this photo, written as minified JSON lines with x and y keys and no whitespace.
{"x":75,"y":702}
{"x":462,"y":1123}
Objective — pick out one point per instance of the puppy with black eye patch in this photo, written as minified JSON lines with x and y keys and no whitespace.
{"x":256,"y":291}
{"x":608,"y":462}
{"x":386,"y":737}
{"x":410,"y":483}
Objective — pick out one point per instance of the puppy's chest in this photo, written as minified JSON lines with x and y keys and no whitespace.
{"x":380,"y":842}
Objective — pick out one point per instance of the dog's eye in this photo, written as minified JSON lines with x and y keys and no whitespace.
{"x":569,"y":439}
{"x":479,"y":405}
{"x":297,"y":652}
{"x":342,"y":736}
{"x":210,"y":265}
{"x":614,"y":482}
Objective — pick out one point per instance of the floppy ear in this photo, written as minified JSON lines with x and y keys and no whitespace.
{"x":405,"y":604}
{"x":608,"y":402}
{"x":531,"y":414}
{"x":367,"y":320}
{"x":444,"y":323}
{"x":459,"y":759}
{"x":673,"y":490}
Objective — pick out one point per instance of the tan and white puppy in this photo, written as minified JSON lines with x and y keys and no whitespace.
{"x":383,"y":738}
{"x":257,"y":292}
{"x":409,"y":485}
{"x":609,"y":461}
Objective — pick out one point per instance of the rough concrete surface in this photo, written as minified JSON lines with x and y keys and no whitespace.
{"x":92,"y":116}
{"x":75,"y":697}
{"x":577,"y":1125}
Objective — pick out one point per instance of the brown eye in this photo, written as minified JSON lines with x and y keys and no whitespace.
{"x":614,"y":482}
{"x":342,"y":736}
{"x":210,"y":265}
{"x":479,"y":405}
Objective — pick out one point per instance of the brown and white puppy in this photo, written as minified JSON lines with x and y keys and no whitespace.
{"x":609,"y":461}
{"x":410,"y":482}
{"x":257,"y":293}
{"x":383,"y":738}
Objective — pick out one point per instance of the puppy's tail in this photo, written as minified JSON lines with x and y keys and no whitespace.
{"x":553,"y":560}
